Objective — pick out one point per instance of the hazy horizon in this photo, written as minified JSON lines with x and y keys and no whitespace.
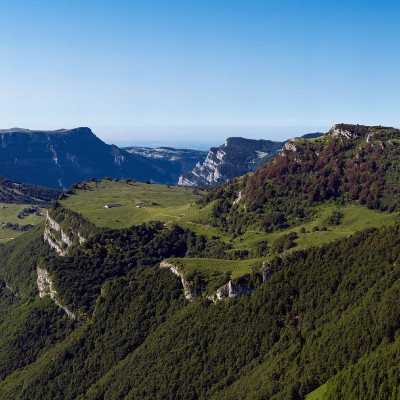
{"x":204,"y":137}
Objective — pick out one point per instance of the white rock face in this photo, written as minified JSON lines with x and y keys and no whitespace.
{"x":81,"y":238}
{"x":235,"y":157}
{"x":60,"y":245}
{"x":290,"y":146}
{"x":336,"y":131}
{"x":233,"y":290}
{"x":53,"y":242}
{"x":185,"y":182}
{"x":228,"y":291}
{"x":236,"y":201}
{"x":45,"y":286}
{"x":174,"y":269}
{"x":52,"y":224}
{"x":220,"y":154}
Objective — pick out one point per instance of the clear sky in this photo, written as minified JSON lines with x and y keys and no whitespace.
{"x":198,"y":70}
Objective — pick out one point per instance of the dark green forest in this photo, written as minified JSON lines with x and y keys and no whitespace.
{"x":322,"y":312}
{"x":24,"y":193}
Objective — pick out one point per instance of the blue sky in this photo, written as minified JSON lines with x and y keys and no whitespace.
{"x":198,"y":70}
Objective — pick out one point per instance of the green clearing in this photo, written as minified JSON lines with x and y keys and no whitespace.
{"x":172,"y":203}
{"x":9,"y":213}
{"x":215,"y":272}
{"x":210,"y":266}
{"x":355,"y":218}
{"x":318,"y":394}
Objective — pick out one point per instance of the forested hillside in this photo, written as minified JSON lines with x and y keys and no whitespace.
{"x":349,"y":163}
{"x":24,"y":193}
{"x":279,"y":306}
{"x":137,"y":337}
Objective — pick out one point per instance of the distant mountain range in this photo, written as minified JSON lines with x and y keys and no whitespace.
{"x":58,"y":159}
{"x":175,"y":161}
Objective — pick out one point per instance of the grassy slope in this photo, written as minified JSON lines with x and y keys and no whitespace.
{"x":172,"y":203}
{"x":355,"y":218}
{"x":234,"y":268}
{"x":318,"y":394}
{"x":9,"y":212}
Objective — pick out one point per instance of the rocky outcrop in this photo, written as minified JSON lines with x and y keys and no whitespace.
{"x":235,"y":157}
{"x":337,"y":131}
{"x":230,"y":290}
{"x":238,"y":198}
{"x":175,"y":270}
{"x":57,"y":238}
{"x":45,"y":287}
{"x":350,"y":131}
{"x":290,"y":145}
{"x":240,"y":286}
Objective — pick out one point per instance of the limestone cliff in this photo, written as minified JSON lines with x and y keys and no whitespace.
{"x":45,"y":287}
{"x":230,"y":290}
{"x":175,"y":270}
{"x":57,"y":238}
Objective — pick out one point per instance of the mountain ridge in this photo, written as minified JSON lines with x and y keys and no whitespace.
{"x":236,"y":157}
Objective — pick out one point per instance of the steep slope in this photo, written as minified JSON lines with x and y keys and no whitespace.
{"x":319,"y":312}
{"x":351,"y":163}
{"x":24,"y":193}
{"x":236,"y":157}
{"x":60,"y":158}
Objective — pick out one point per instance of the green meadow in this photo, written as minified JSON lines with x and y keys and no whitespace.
{"x":143,"y":202}
{"x":209,"y":266}
{"x":140,"y":202}
{"x":9,"y":213}
{"x":355,"y":218}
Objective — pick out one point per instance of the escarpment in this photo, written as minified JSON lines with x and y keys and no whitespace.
{"x":57,"y":238}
